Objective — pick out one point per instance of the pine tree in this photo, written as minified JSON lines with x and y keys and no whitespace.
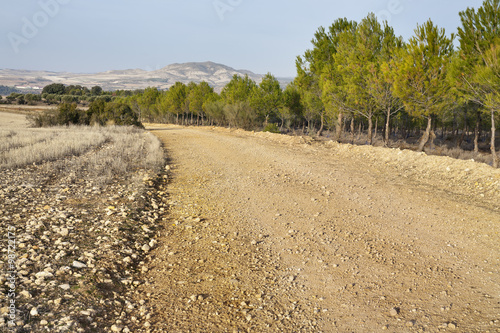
{"x":420,"y":76}
{"x":267,"y":98}
{"x":317,"y":76}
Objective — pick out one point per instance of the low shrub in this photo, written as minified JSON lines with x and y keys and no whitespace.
{"x":46,"y":118}
{"x":273,"y":128}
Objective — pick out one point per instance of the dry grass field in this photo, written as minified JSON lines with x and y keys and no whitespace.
{"x":111,"y":151}
{"x":11,"y":120}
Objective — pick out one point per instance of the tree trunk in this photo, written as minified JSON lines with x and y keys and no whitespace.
{"x":322,"y":125}
{"x":455,"y":126}
{"x":376,"y":128}
{"x":425,"y":137}
{"x":359,"y":130}
{"x":387,"y":127}
{"x":476,"y":132}
{"x":370,"y":130}
{"x":432,"y":138}
{"x":338,"y":127}
{"x":493,"y":135}
{"x":461,"y":138}
{"x":352,"y":130}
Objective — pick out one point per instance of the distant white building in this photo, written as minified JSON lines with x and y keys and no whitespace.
{"x":28,"y":88}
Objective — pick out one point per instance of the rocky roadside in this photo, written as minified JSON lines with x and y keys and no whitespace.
{"x":73,"y":251}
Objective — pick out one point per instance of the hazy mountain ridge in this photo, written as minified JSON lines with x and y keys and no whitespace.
{"x":217,"y":75}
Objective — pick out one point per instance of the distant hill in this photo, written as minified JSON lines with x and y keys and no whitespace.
{"x":216,"y":75}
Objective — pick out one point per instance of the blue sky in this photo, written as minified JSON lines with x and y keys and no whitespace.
{"x":88,"y":36}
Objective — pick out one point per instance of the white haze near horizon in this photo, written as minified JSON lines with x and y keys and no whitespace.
{"x":89,"y":36}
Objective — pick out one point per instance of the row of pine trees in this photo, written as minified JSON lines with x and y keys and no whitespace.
{"x":360,"y":72}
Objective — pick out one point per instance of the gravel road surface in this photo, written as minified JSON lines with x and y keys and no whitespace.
{"x":268,"y":233}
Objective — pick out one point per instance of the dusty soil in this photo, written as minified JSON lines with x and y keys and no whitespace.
{"x":273,"y":233}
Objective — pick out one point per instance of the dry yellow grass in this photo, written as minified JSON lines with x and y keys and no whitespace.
{"x":106,"y":152}
{"x":27,"y":146}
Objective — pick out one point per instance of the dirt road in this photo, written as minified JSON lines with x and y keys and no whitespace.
{"x":284,"y":235}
